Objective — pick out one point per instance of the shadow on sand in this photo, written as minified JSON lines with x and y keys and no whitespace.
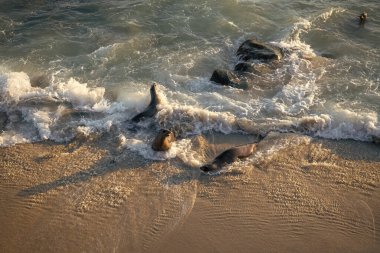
{"x":110,"y":163}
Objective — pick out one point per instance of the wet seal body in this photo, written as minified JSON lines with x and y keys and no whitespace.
{"x":163,"y":140}
{"x":151,"y":110}
{"x":229,"y":156}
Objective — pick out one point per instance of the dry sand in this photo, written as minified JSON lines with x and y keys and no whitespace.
{"x":296,"y":194}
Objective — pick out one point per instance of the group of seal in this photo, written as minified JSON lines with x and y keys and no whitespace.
{"x":164,"y":139}
{"x":249,"y":52}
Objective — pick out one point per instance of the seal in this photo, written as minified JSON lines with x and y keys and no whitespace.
{"x":151,"y":110}
{"x":229,"y":156}
{"x":163,"y":140}
{"x":363,"y":18}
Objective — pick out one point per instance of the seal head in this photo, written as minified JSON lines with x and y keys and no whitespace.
{"x":163,"y":140}
{"x":363,"y":18}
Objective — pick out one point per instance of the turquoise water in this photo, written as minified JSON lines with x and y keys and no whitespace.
{"x":74,"y":66}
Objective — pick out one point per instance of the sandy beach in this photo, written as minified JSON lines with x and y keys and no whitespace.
{"x":296,"y":194}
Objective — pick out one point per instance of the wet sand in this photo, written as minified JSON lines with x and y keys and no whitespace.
{"x":296,"y":194}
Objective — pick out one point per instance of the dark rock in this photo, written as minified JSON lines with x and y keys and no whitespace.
{"x":245,"y":67}
{"x":4,"y":120}
{"x":257,"y":69}
{"x":329,"y":55}
{"x":224,"y":77}
{"x":41,"y":81}
{"x":254,"y":49}
{"x":229,"y":78}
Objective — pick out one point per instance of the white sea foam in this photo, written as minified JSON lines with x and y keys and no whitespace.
{"x":272,"y":145}
{"x":17,"y":94}
{"x":11,"y":138}
{"x":327,"y":14}
{"x":344,"y":123}
{"x":79,"y":95}
{"x":41,"y":120}
{"x":190,"y":120}
{"x":180,"y":148}
{"x":16,"y":86}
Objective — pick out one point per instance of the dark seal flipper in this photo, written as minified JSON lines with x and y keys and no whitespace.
{"x":210,"y":168}
{"x":144,"y":114}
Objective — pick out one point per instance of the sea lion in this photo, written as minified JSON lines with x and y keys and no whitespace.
{"x":229,"y":156}
{"x":163,"y":140}
{"x":151,"y":110}
{"x":363,"y":18}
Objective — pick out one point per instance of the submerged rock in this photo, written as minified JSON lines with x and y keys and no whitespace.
{"x":254,"y":68}
{"x":41,"y":81}
{"x":224,"y":77}
{"x":245,"y":67}
{"x":3,"y":121}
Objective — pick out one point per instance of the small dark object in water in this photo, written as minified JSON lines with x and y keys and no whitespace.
{"x":363,"y":18}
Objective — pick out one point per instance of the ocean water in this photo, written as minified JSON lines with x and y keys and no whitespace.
{"x":71,"y":68}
